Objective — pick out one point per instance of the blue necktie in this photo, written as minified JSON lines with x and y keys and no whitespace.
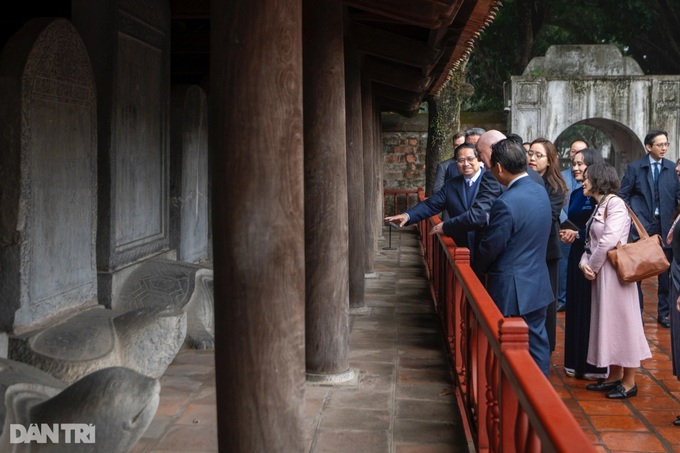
{"x":655,"y":174}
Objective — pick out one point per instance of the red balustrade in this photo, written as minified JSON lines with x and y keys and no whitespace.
{"x":507,"y":404}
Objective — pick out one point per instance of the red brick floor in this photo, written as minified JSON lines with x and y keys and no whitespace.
{"x":639,"y":424}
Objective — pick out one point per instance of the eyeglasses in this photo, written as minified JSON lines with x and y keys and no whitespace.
{"x":536,"y":154}
{"x":662,"y":145}
{"x":470,"y":159}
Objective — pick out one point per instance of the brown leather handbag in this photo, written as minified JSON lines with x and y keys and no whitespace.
{"x":641,"y":259}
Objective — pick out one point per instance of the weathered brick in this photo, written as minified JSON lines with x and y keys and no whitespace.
{"x":393,"y":158}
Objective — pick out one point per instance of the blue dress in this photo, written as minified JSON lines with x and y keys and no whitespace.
{"x":577,"y":312}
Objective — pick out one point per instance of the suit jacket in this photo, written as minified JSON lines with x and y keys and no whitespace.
{"x":477,"y":216}
{"x":513,"y":249}
{"x":445,"y":170}
{"x":452,"y":198}
{"x":556,"y":204}
{"x":637,"y":189}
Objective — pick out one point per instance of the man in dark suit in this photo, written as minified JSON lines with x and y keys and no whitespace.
{"x":448,"y":168}
{"x":455,"y":197}
{"x":513,"y":248}
{"x":651,"y":188}
{"x":441,"y":172}
{"x":476,"y":217}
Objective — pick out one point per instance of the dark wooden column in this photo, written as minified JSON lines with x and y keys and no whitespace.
{"x":326,"y":235}
{"x":355,"y":177}
{"x":258,"y":246}
{"x":367,"y":120}
{"x":379,"y":156}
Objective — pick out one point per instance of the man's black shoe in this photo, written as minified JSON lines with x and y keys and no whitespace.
{"x":561,"y":308}
{"x":663,"y":322}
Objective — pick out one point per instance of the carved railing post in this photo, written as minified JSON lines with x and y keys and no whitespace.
{"x":508,"y":425}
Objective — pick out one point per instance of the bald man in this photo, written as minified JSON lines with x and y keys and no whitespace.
{"x":477,"y":216}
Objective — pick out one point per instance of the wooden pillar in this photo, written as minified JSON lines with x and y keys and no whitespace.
{"x":325,"y":170}
{"x":368,"y":121}
{"x":378,"y":155}
{"x":355,"y":176}
{"x":256,"y":151}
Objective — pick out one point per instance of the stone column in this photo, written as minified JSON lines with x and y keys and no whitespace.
{"x":255,"y":146}
{"x":355,"y":177}
{"x":368,"y":121}
{"x":326,"y":236}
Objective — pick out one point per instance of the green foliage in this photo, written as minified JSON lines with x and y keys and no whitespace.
{"x":647,"y":30}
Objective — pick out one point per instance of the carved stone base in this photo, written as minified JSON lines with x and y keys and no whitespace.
{"x":118,"y":402}
{"x":145,"y":340}
{"x":185,"y":285}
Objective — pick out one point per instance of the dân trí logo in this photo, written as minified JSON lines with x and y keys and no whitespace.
{"x":56,"y":433}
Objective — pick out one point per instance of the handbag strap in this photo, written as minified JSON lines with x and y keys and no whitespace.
{"x":638,"y":225}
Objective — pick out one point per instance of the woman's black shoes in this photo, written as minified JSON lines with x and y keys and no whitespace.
{"x":601,"y":386}
{"x":620,"y":392}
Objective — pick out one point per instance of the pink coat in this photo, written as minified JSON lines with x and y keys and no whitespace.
{"x":617,"y":335}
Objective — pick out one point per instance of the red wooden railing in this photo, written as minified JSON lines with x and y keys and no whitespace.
{"x":507,"y":403}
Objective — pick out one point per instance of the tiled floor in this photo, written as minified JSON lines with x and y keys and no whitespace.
{"x":402,"y":402}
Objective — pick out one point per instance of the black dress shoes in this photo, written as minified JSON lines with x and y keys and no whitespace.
{"x":620,"y":392}
{"x":676,"y":422}
{"x":601,"y":386}
{"x":663,"y":322}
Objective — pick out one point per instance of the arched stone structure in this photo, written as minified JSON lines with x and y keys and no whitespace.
{"x":595,"y":85}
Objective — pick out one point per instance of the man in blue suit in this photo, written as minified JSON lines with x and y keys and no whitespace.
{"x":513,"y":248}
{"x":651,"y":188}
{"x":455,"y":197}
{"x":477,"y":216}
{"x":441,"y":172}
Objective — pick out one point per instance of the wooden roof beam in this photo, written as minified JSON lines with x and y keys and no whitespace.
{"x":394,"y":47}
{"x":396,"y":76}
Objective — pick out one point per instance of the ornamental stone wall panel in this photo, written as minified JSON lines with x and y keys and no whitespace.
{"x":128,"y":42}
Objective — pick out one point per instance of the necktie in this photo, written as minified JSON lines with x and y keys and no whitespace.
{"x":656,"y":188}
{"x":469,"y":191}
{"x":656,"y":173}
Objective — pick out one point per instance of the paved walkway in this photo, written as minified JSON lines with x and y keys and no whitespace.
{"x":403,"y":401}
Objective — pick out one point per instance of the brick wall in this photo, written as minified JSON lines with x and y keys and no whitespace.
{"x":404,"y":143}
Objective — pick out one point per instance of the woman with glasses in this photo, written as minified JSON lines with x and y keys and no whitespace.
{"x":617,"y":336}
{"x":542,"y":157}
{"x":577,"y":311}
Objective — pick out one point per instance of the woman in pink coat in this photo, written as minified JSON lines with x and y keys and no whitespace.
{"x":617,"y":337}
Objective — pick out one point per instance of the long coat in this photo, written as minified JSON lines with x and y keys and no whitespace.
{"x":617,"y":336}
